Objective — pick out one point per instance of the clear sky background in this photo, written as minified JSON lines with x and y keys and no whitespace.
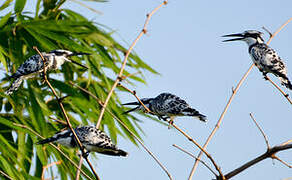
{"x":184,"y":44}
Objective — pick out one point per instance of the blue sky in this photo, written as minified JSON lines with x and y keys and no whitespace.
{"x":184,"y":44}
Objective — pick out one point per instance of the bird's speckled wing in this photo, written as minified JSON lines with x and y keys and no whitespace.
{"x":31,"y":65}
{"x":170,"y":104}
{"x":268,"y":60}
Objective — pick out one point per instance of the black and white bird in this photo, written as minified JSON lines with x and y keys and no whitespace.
{"x":34,"y":65}
{"x":264,"y":57}
{"x":93,"y":139}
{"x":167,"y":106}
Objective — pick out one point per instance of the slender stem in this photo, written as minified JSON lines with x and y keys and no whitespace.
{"x":228,"y":104}
{"x":47,"y":166}
{"x":234,"y":91}
{"x":64,"y":112}
{"x":125,"y":126}
{"x":202,"y":149}
{"x":78,"y":171}
{"x":5,"y":175}
{"x":193,"y":156}
{"x":283,"y":162}
{"x":282,"y":92}
{"x":261,"y":130}
{"x":119,"y":77}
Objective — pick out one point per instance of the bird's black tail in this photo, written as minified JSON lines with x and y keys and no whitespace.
{"x":286,"y":82}
{"x":195,"y":113}
{"x":114,"y":152}
{"x":48,"y":140}
{"x":15,"y":85}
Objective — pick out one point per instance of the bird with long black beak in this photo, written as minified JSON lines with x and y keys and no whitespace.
{"x":264,"y":57}
{"x":35,"y":65}
{"x":167,"y":106}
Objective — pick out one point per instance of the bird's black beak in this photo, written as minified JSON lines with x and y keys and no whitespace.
{"x":132,"y":103}
{"x":77,"y":54}
{"x":133,"y":109}
{"x":241,"y":36}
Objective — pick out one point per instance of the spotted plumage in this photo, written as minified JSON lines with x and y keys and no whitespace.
{"x":166,"y":106}
{"x":264,"y":57}
{"x":34,"y":65}
{"x":93,"y":139}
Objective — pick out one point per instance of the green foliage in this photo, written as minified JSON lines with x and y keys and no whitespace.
{"x":33,"y":104}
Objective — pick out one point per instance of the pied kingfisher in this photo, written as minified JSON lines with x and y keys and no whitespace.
{"x":166,"y":106}
{"x":264,"y":57}
{"x":93,"y":139}
{"x":34,"y":64}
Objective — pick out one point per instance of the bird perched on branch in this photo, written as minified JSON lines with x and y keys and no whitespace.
{"x":264,"y":57}
{"x":167,"y":106}
{"x":93,"y":139}
{"x":34,"y":65}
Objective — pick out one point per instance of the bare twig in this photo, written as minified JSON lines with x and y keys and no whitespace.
{"x":59,"y":100}
{"x":283,"y":162}
{"x":193,"y":156}
{"x":47,"y":166}
{"x":78,"y":171}
{"x":287,"y":142}
{"x":57,"y":148}
{"x":284,"y":94}
{"x":5,"y":175}
{"x":268,"y":154}
{"x":261,"y":130}
{"x":267,"y":31}
{"x":119,"y":77}
{"x":125,"y":126}
{"x":228,"y":104}
{"x":221,"y":176}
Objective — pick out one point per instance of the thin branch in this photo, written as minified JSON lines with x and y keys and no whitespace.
{"x":284,"y":94}
{"x":78,"y":171}
{"x":5,"y":175}
{"x":47,"y":166}
{"x":125,"y":126}
{"x":59,"y":100}
{"x":283,"y":162}
{"x":268,"y":154}
{"x":57,"y":148}
{"x":287,"y":142}
{"x":193,"y":156}
{"x":261,"y":130}
{"x":227,"y":106}
{"x":221,"y":176}
{"x":275,"y":33}
{"x":119,"y":77}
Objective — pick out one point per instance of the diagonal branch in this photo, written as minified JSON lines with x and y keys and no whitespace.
{"x":193,"y":156}
{"x":5,"y":175}
{"x":47,"y":166}
{"x":276,"y":86}
{"x":228,"y":104}
{"x":283,"y":162}
{"x":261,"y":130}
{"x":59,"y":100}
{"x":270,"y":153}
{"x":119,"y":77}
{"x":125,"y":126}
